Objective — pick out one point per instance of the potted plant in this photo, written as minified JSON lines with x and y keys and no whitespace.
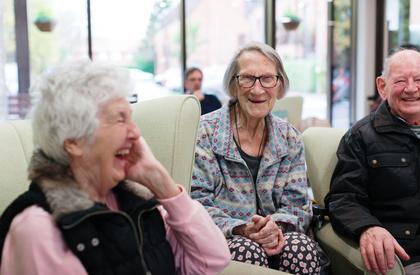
{"x":290,"y":21}
{"x":44,"y":21}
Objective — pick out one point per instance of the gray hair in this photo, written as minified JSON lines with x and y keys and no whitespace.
{"x":233,"y":67}
{"x":70,"y":96}
{"x":387,"y":62}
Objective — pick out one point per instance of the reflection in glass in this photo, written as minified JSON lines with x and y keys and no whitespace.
{"x":403,"y":23}
{"x":128,"y":33}
{"x":301,"y":41}
{"x":67,"y":38}
{"x":215,"y":30}
{"x":341,"y":63}
{"x":8,"y":67}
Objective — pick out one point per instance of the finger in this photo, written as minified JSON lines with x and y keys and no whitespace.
{"x":380,"y":256}
{"x":389,"y":252}
{"x":270,"y":240}
{"x":261,"y":222}
{"x":365,"y":258}
{"x":144,"y":147}
{"x":269,"y":229}
{"x":275,"y":250}
{"x":134,"y":152}
{"x":370,"y":252}
{"x":400,"y":251}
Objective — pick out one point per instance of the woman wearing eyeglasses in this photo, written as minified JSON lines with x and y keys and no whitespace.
{"x":249,"y":170}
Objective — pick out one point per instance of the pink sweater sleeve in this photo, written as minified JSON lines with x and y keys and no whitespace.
{"x":34,"y":245}
{"x":197,"y":243}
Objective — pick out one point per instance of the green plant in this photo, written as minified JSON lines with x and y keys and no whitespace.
{"x":43,"y":16}
{"x":291,"y":16}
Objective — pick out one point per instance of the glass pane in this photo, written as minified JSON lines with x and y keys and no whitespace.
{"x":57,"y":33}
{"x":216,"y":29}
{"x":301,"y":40}
{"x":341,"y":63}
{"x":403,"y":22}
{"x":8,"y":67}
{"x":127,"y":33}
{"x":127,"y":38}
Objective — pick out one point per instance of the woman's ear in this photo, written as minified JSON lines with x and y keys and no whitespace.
{"x":73,"y":146}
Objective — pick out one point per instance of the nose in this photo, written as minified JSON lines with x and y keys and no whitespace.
{"x":133,"y":130}
{"x":257,"y":88}
{"x":411,"y":86}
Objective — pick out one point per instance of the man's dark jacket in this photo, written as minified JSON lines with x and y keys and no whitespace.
{"x":376,"y":181}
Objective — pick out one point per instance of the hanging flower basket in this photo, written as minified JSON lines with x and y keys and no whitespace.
{"x":289,"y":23}
{"x":45,"y":26}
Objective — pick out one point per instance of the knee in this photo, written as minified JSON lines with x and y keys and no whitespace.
{"x":300,"y":253}
{"x":247,"y":251}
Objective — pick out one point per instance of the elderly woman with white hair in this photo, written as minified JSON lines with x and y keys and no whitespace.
{"x":89,"y":208}
{"x":249,"y":168}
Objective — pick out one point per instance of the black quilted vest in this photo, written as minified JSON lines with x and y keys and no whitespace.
{"x":130,"y":241}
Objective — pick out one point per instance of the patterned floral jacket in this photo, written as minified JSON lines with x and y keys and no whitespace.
{"x":223,"y":183}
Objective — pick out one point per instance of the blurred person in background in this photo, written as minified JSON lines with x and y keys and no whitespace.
{"x":193,"y":85}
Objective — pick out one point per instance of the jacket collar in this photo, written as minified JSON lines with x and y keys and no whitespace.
{"x":61,"y":191}
{"x":224,"y":144}
{"x":384,"y":121}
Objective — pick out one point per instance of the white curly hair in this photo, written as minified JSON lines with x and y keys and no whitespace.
{"x":70,"y":96}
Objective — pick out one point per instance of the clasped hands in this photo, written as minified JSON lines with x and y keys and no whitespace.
{"x":378,"y":248}
{"x":264,"y":231}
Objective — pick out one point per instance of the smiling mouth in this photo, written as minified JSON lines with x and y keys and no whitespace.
{"x":411,"y":99}
{"x":121,"y":154}
{"x":256,"y":101}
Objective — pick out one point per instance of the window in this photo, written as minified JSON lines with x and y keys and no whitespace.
{"x":301,"y":41}
{"x":215,"y":30}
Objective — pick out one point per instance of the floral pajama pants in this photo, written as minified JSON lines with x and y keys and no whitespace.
{"x":298,"y":256}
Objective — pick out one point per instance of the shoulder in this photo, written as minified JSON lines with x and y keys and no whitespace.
{"x":359,"y":129}
{"x":210,"y":97}
{"x":209,"y":121}
{"x":284,"y":129}
{"x":33,"y":222}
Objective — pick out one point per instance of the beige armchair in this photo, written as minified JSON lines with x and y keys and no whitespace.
{"x":320,"y":151}
{"x":290,"y":108}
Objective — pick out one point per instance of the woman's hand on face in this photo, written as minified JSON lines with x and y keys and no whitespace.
{"x":144,"y":168}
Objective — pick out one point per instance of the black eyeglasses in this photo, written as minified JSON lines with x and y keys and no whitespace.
{"x":266,"y":81}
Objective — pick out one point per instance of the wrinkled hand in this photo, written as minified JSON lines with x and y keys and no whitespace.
{"x":265,"y":231}
{"x":144,"y":168}
{"x":378,"y":248}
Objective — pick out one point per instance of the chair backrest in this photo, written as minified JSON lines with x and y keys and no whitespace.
{"x":320,"y":152}
{"x":169,"y":125}
{"x":16,"y":149}
{"x":289,"y":107}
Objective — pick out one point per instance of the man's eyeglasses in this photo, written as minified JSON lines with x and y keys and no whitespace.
{"x":266,"y":81}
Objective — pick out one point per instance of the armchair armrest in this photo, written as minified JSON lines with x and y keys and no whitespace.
{"x":345,"y":254}
{"x":236,"y":268}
